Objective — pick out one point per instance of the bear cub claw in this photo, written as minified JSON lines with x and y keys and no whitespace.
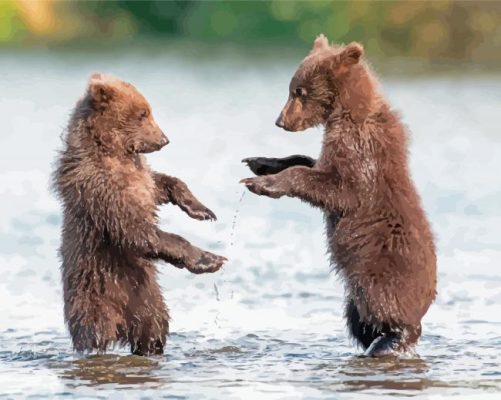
{"x":383,"y":346}
{"x":262,"y":186}
{"x":206,"y":262}
{"x":198,"y":211}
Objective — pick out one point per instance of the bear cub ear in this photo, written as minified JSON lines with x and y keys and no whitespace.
{"x":351,"y":54}
{"x":321,"y":42}
{"x":99,"y":89}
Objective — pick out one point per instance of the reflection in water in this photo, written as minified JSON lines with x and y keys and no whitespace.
{"x":384,"y":365}
{"x":106,"y":369}
{"x":402,"y":375}
{"x":390,"y":373}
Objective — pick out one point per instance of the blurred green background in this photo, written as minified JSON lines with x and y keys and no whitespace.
{"x":466,"y":32}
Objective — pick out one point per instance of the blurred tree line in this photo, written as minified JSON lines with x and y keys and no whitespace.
{"x":469,"y":31}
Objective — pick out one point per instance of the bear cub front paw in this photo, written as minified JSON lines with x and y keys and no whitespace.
{"x":263,"y":186}
{"x":197,"y":210}
{"x":202,"y":262}
{"x":207,"y":263}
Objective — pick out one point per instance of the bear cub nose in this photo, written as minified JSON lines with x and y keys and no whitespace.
{"x":164,"y":141}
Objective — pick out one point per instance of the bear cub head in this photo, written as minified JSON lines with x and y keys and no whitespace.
{"x":330,"y":80}
{"x":118,"y":118}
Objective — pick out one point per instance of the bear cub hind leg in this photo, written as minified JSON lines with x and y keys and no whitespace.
{"x":380,"y":341}
{"x":148,"y":321}
{"x":395,"y":342}
{"x":95,"y":327}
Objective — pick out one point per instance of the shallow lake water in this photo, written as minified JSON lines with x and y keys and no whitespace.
{"x":269,"y":325}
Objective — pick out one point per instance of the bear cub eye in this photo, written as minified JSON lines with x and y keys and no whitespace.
{"x":143,"y":115}
{"x":300,"y":92}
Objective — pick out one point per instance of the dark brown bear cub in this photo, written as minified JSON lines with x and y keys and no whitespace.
{"x":110,"y":236}
{"x":378,"y":235}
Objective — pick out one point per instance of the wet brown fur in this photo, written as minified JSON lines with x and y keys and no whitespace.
{"x":378,"y":234}
{"x":110,"y":237}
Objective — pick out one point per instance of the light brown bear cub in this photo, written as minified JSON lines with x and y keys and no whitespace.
{"x":110,"y":236}
{"x":378,"y":235}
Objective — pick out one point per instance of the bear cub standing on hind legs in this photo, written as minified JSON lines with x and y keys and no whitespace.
{"x":110,"y":237}
{"x":378,"y":235}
